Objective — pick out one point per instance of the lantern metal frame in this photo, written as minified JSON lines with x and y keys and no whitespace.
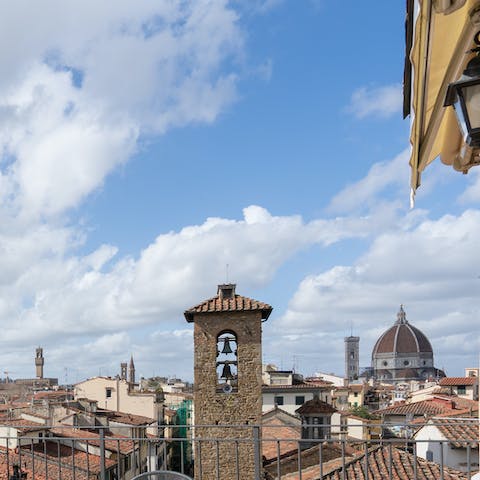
{"x":455,"y":97}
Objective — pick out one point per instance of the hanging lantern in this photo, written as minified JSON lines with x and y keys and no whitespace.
{"x":464,"y":96}
{"x":226,"y":345}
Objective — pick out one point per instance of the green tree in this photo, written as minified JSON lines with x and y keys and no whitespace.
{"x":362,"y":412}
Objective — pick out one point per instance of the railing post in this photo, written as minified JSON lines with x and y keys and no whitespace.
{"x":469,"y":472}
{"x":102,"y":454}
{"x":257,"y":452}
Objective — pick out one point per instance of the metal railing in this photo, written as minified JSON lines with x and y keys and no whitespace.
{"x":233,"y":452}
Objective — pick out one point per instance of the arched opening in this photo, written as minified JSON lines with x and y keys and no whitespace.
{"x":227,"y":361}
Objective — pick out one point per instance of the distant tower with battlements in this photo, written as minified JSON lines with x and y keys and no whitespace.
{"x":39,"y":362}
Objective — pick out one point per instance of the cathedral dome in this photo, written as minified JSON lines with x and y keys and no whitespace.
{"x":402,"y":338}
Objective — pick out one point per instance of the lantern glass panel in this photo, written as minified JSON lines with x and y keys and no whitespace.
{"x":471,"y":97}
{"x":459,"y":106}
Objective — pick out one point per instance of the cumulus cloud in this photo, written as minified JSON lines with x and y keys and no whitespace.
{"x":89,"y":80}
{"x":364,"y":194}
{"x":382,"y":102}
{"x":56,"y":293}
{"x":432,"y":268}
{"x":472,"y":193}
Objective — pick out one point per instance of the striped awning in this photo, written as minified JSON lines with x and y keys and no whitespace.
{"x":439,"y":37}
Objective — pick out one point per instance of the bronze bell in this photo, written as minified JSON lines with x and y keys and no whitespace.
{"x":226,"y":345}
{"x":226,"y":372}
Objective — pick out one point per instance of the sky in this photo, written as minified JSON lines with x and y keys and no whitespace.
{"x":150,"y":151}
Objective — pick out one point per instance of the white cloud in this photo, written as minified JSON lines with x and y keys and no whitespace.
{"x":472,"y":193}
{"x":79,"y":90}
{"x":261,"y":6}
{"x":382,"y":102}
{"x":56,"y":293}
{"x":364,"y":194}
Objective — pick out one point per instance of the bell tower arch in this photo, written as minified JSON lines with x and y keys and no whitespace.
{"x":227,"y":380}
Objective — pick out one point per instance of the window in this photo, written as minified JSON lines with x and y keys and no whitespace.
{"x":299,"y":400}
{"x":461,"y":390}
{"x":127,"y":463}
{"x":108,"y":392}
{"x":355,"y":394}
{"x":278,"y":400}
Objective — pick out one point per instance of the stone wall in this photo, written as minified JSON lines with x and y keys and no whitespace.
{"x":219,"y":411}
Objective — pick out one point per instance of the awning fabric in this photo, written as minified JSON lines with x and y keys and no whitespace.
{"x":438,"y":56}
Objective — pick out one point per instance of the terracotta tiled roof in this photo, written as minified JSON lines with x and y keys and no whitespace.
{"x":402,"y":464}
{"x":127,"y":418}
{"x":464,"y":413}
{"x":426,"y":407}
{"x":39,"y":469}
{"x":331,"y":452}
{"x":22,"y":425}
{"x":315,"y":406}
{"x":56,"y":395}
{"x":54,"y":452}
{"x":459,"y":402}
{"x":298,"y":386}
{"x":455,"y":381}
{"x":113,"y":443}
{"x":276,"y":428}
{"x":235,"y":304}
{"x":458,"y":431}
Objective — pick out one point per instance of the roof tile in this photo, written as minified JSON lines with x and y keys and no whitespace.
{"x":402,"y":467}
{"x":455,"y":381}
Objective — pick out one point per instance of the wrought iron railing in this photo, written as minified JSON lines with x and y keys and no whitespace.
{"x":211,"y":450}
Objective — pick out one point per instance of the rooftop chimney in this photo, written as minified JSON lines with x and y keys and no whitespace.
{"x":226,"y":291}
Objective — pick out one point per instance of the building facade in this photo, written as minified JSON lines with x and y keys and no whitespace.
{"x":115,"y":394}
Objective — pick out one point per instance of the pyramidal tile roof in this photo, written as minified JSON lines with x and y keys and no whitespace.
{"x":227,"y":300}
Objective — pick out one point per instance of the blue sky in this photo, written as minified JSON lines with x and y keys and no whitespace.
{"x":146,"y":145}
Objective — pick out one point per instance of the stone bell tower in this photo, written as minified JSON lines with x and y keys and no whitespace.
{"x":228,"y":382}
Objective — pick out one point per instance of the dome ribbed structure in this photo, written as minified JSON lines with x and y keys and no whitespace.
{"x":402,"y":338}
